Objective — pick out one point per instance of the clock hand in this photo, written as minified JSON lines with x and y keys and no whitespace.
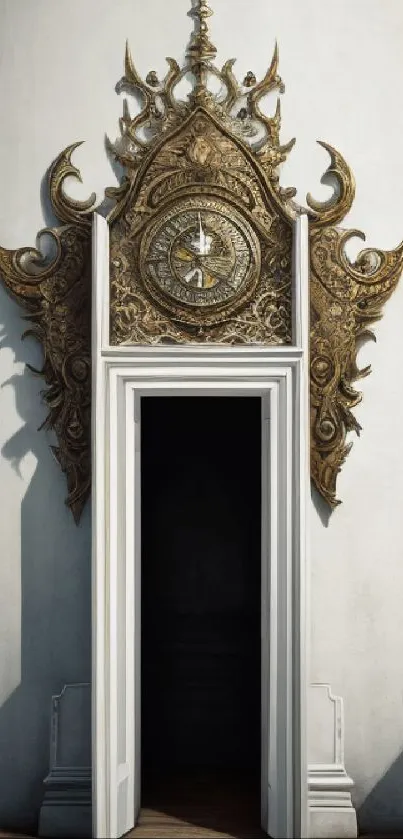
{"x":201,"y":231}
{"x":195,"y":274}
{"x":184,"y":254}
{"x":204,"y":243}
{"x":221,"y":266}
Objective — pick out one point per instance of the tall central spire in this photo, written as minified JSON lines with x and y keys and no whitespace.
{"x":201,"y":51}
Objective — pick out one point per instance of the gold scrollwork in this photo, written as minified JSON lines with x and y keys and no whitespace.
{"x":220,"y":145}
{"x":346,"y":297}
{"x":57,"y":296}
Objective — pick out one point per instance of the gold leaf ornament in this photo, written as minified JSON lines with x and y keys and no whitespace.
{"x":217,"y":156}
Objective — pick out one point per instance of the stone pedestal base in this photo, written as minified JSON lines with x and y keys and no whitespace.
{"x":66,"y":809}
{"x":331,"y":812}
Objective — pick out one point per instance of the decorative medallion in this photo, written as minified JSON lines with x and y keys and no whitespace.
{"x":201,"y":252}
{"x":199,"y":263}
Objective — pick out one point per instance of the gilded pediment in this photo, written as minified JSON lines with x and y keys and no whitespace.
{"x":201,"y":170}
{"x":201,"y":252}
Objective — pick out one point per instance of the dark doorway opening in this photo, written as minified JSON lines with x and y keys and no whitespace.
{"x":201,"y":558}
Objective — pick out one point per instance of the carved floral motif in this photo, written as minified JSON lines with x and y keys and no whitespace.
{"x":223,"y":145}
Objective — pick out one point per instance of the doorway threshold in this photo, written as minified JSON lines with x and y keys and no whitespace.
{"x":209,"y":805}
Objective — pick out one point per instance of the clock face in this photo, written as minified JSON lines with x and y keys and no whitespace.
{"x":200,"y":259}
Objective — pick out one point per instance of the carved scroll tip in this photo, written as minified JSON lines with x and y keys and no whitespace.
{"x":355,"y":233}
{"x":172,"y":63}
{"x":131,"y":75}
{"x":74,"y":146}
{"x":285,"y":149}
{"x":337,"y":162}
{"x":332,"y":152}
{"x":62,"y":166}
{"x":67,"y":153}
{"x":326,"y":146}
{"x":129,"y":64}
{"x":337,"y":206}
{"x":336,"y":159}
{"x":128,"y":59}
{"x":275,"y":59}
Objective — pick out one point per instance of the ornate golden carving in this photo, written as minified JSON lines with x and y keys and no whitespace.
{"x":221,"y":148}
{"x":236,"y":107}
{"x":216,"y":148}
{"x":345,"y":298}
{"x":57,"y":295}
{"x":200,"y":163}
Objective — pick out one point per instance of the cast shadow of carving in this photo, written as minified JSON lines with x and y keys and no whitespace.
{"x":382,"y":811}
{"x":321,"y":506}
{"x":55,"y":585}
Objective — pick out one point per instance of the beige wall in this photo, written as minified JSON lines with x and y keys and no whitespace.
{"x":343,"y":67}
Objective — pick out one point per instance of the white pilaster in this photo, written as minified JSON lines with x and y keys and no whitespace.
{"x":331,"y":812}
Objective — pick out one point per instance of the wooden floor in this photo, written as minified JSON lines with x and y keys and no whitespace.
{"x":154,"y":825}
{"x":200,"y":807}
{"x":3,"y":833}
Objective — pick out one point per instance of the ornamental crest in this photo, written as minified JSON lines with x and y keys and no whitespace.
{"x":201,"y":252}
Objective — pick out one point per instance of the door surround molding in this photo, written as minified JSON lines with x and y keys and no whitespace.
{"x":121,"y":376}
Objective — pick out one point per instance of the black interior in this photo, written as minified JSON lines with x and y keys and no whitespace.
{"x":201,"y":531}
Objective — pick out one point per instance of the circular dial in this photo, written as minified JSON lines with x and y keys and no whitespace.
{"x":200,"y":259}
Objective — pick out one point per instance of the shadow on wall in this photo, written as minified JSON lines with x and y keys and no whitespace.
{"x":382,"y":811}
{"x":322,"y":508}
{"x":55,"y":597}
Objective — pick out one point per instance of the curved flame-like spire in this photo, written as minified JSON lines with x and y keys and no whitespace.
{"x":201,"y":50}
{"x":345,"y":296}
{"x":236,"y":104}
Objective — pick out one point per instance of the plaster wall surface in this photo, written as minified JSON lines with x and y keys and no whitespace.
{"x":343,"y":67}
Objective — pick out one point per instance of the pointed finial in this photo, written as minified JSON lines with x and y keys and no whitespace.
{"x":201,"y":51}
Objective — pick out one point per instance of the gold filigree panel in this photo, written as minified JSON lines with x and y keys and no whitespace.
{"x":346,"y":297}
{"x":221,"y":149}
{"x":204,"y":164}
{"x":57,"y":296}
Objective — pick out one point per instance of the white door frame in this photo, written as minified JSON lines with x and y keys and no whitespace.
{"x":121,"y":376}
